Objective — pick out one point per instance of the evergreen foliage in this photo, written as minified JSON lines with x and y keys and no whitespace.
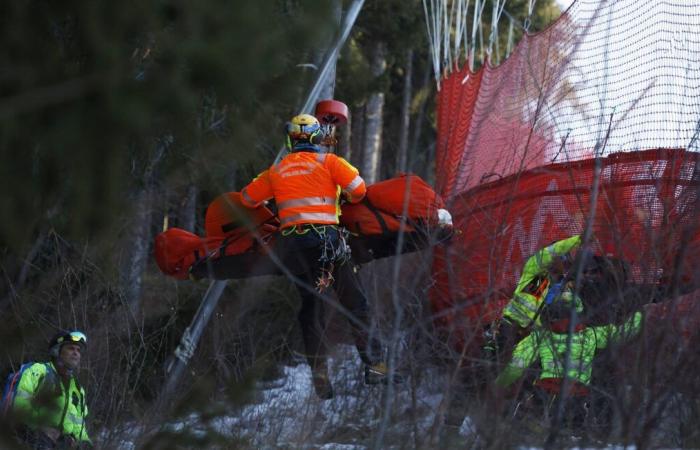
{"x":89,"y":90}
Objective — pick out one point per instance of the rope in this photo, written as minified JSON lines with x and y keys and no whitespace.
{"x":509,"y":48}
{"x":495,"y":17}
{"x":332,"y":252}
{"x":476,"y":24}
{"x":530,"y":9}
{"x":446,"y":23}
{"x":448,"y":32}
{"x":480,"y":26}
{"x":466,"y":32}
{"x":433,"y":37}
{"x":459,"y":25}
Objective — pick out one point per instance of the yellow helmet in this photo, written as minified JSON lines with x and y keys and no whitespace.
{"x":303,"y":130}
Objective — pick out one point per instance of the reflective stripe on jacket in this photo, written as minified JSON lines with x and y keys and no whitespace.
{"x":551,"y":349}
{"x":306,"y":187}
{"x":522,"y":308}
{"x":42,"y":400}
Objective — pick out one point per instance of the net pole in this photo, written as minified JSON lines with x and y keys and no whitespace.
{"x":328,"y":63}
{"x":193,"y":333}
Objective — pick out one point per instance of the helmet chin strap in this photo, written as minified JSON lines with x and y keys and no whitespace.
{"x":306,"y":147}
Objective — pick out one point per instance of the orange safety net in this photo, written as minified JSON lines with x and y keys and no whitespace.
{"x":517,"y":147}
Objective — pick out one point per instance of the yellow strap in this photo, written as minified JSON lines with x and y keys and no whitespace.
{"x":319,"y":229}
{"x":288,"y":231}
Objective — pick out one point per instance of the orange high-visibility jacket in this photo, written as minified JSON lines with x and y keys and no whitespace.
{"x":306,"y":187}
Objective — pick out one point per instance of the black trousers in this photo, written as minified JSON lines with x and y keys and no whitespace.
{"x":301,"y":251}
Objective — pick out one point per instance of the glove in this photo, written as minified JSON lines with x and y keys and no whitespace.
{"x":444,"y":218}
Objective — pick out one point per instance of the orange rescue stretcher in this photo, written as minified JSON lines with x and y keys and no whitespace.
{"x":238,"y":240}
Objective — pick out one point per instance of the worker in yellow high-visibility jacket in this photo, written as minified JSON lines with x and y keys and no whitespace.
{"x":48,"y":403}
{"x":542,"y":276}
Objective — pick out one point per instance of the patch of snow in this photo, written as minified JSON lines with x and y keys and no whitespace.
{"x":287,"y":413}
{"x":342,"y":447}
{"x":468,"y":428}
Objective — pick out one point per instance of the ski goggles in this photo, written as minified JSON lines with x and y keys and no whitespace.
{"x":302,"y":131}
{"x":73,"y":337}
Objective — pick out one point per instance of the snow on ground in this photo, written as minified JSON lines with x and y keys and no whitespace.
{"x":287,"y":414}
{"x":291,"y":414}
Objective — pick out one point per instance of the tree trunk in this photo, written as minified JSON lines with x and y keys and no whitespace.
{"x":13,"y":290}
{"x":371,"y":161}
{"x":138,"y":238}
{"x":356,"y":136}
{"x":187,"y":215}
{"x":138,"y":249}
{"x":231,"y":178}
{"x":329,"y":86}
{"x":418,"y":125}
{"x":344,"y":136}
{"x":402,"y":157}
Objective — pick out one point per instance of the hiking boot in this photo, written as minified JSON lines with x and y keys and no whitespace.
{"x":322,"y":385}
{"x":379,"y":373}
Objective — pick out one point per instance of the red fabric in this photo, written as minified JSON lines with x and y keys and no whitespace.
{"x":388,"y":198}
{"x":553,"y":386}
{"x":228,"y":226}
{"x":562,"y":326}
{"x":227,"y":215}
{"x":176,"y":250}
{"x":390,"y":195}
{"x":360,"y":219}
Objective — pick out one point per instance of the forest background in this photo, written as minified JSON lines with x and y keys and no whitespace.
{"x":118,"y":119}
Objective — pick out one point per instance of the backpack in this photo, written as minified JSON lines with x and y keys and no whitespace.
{"x":11,"y":384}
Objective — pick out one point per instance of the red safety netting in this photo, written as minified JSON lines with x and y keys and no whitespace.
{"x":516,"y":146}
{"x":646,"y":206}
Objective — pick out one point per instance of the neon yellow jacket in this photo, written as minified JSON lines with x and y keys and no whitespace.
{"x":522,"y":308}
{"x":42,"y":400}
{"x":551,"y":349}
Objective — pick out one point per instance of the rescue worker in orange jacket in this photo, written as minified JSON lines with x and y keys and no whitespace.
{"x":307,"y":185}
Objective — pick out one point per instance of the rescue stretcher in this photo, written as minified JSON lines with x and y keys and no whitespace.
{"x":238,"y":241}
